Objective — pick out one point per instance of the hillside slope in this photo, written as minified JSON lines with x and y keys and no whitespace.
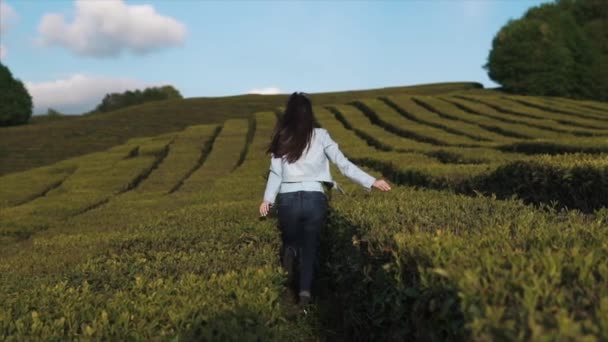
{"x":159,"y":238}
{"x":43,"y":143}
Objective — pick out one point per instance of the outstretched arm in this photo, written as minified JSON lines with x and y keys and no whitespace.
{"x":274,"y":180}
{"x":346,"y":167}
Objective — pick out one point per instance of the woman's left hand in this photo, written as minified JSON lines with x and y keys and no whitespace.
{"x":382,"y":185}
{"x":264,"y":208}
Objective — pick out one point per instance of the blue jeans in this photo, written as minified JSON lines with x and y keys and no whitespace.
{"x":301,"y":216}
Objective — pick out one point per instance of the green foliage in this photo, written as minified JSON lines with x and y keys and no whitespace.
{"x":426,"y":265}
{"x":15,"y":101}
{"x":191,"y":265}
{"x":401,"y":153}
{"x":20,"y":188}
{"x":82,"y":190}
{"x":30,"y":146}
{"x":116,"y":101}
{"x":159,"y":238}
{"x":572,"y":181}
{"x":555,"y":49}
{"x":51,"y":116}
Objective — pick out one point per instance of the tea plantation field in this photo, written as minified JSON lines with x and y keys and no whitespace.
{"x":47,"y":140}
{"x":496,"y":229}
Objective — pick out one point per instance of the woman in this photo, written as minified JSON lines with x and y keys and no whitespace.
{"x":299,"y":166}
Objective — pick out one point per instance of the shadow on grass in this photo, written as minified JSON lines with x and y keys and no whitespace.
{"x":237,"y":324}
{"x":367,"y":292}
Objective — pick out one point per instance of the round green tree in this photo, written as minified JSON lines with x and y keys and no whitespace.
{"x":555,"y":49}
{"x":15,"y":101}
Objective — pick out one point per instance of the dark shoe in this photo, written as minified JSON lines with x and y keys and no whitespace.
{"x":304,"y":300}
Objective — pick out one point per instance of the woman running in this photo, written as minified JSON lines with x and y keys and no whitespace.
{"x":299,"y":166}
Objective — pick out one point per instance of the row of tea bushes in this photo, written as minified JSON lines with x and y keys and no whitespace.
{"x":429,"y":265}
{"x":571,"y":109}
{"x":202,"y":272}
{"x":570,"y":180}
{"x":546,"y":120}
{"x":98,"y":177}
{"x":416,"y":109}
{"x":422,"y":122}
{"x":207,"y":271}
{"x":576,"y":181}
{"x":388,"y":141}
{"x":513,"y":124}
{"x":20,"y":188}
{"x":189,"y":146}
{"x":565,"y":118}
{"x":599,"y":108}
{"x":505,"y":132}
{"x":220,"y":161}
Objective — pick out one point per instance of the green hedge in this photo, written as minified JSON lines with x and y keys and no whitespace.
{"x":427,"y":265}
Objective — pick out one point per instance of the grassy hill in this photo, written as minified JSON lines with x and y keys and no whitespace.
{"x":496,"y":228}
{"x":49,"y":141}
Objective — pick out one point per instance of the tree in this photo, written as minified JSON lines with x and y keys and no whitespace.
{"x":15,"y":101}
{"x":170,"y":92}
{"x":116,"y":101}
{"x":53,"y":112}
{"x":555,"y":49}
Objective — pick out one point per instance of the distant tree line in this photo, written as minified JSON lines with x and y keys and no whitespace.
{"x":15,"y":101}
{"x":555,"y":49}
{"x":128,"y":98}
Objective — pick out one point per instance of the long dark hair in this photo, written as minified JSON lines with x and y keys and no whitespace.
{"x":293,"y":131}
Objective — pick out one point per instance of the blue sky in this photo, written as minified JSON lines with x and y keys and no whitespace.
{"x":70,"y":53}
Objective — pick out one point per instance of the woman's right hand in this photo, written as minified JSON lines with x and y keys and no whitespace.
{"x":381,"y":184}
{"x":265,"y":208}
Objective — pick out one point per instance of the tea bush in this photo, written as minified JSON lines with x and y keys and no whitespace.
{"x":160,"y":239}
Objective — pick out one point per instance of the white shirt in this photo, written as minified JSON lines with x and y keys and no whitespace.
{"x":313,"y":165}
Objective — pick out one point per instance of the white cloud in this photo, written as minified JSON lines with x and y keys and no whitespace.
{"x":77,"y":93}
{"x":8,"y":16}
{"x":265,"y":91}
{"x":110,"y":27}
{"x":3,"y":52}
